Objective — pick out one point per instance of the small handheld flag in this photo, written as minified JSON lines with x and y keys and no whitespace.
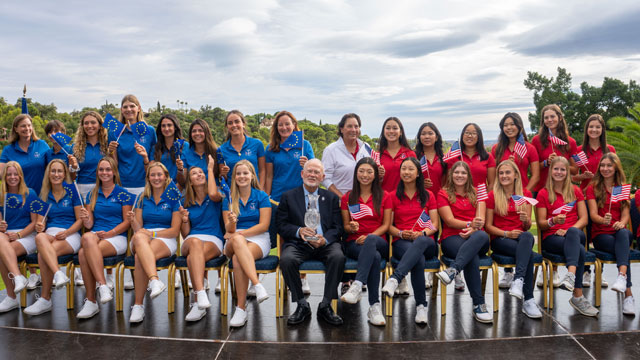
{"x":424,"y":221}
{"x":112,"y":124}
{"x":171,"y":194}
{"x":620,"y":193}
{"x":72,"y":192}
{"x":556,"y":140}
{"x":139,"y":129}
{"x":62,"y":140}
{"x":178,"y":145}
{"x":294,"y":141}
{"x":566,"y":207}
{"x":520,"y":147}
{"x":225,"y":188}
{"x":453,"y":152}
{"x":521,"y":200}
{"x":37,"y":206}
{"x":482,"y":192}
{"x":424,"y":166}
{"x":123,"y":196}
{"x":359,"y":211}
{"x":375,"y":156}
{"x":220,"y":157}
{"x":580,"y":158}
{"x":25,"y":108}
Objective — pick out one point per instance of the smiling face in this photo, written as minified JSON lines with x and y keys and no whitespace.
{"x":460,"y":176}
{"x":235,"y":125}
{"x":559,"y":172}
{"x":243,"y":176}
{"x":197,"y":134}
{"x":365,"y":174}
{"x":470,"y":136}
{"x":157,"y":178}
{"x":607,"y":168}
{"x":312,"y":174}
{"x":90,"y":125}
{"x":408,"y":172}
{"x":24,"y":129}
{"x":12,"y":177}
{"x":197,"y":177}
{"x":285,"y":126}
{"x":428,"y":137}
{"x":594,"y":130}
{"x":130,"y":111}
{"x":56,"y":173}
{"x":167,"y":128}
{"x":105,"y":173}
{"x":551,"y":120}
{"x":351,"y":130}
{"x":506,"y":175}
{"x":510,"y":129}
{"x":392,"y":131}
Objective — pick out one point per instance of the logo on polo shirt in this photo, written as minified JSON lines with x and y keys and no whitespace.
{"x":403,"y":156}
{"x":296,"y":154}
{"x":252,"y":206}
{"x":165,"y":207}
{"x":113,"y":200}
{"x":36,"y":155}
{"x":66,"y":202}
{"x":247,"y":152}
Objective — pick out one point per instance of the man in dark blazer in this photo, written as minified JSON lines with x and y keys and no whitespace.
{"x":297,"y":248}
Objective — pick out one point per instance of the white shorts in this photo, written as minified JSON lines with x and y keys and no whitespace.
{"x":28,"y":242}
{"x":135,"y":191}
{"x":73,"y":239}
{"x":171,"y":243}
{"x":85,"y":189}
{"x":119,"y":242}
{"x":207,"y":238}
{"x":262,"y":240}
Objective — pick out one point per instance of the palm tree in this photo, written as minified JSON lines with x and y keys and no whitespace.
{"x":625,"y":137}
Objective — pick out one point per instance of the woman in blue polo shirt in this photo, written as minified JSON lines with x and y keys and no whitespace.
{"x":246,"y":218}
{"x":29,"y":151}
{"x":241,"y":147}
{"x":201,"y":146}
{"x":133,"y":150}
{"x":105,"y":214}
{"x":17,"y":236}
{"x":156,"y":224}
{"x":61,"y":236}
{"x":201,"y":230}
{"x":165,"y":150}
{"x":90,"y":145}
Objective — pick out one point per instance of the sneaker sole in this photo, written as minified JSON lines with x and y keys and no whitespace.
{"x":153,"y":296}
{"x":204,"y":308}
{"x":11,"y":308}
{"x":483,"y":321}
{"x":565,"y":287}
{"x":530,"y":316}
{"x":580,"y":311}
{"x":38,"y":313}
{"x":517,"y":296}
{"x":618,"y":290}
{"x":379,"y":324}
{"x":106,"y":300}
{"x":200,"y":318}
{"x":342,"y":298}
{"x":136,"y":321}
{"x":59,"y":286}
{"x":446,"y":282}
{"x":88,"y":316}
{"x":239,"y":325}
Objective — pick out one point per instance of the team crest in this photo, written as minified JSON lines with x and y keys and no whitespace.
{"x":252,"y":206}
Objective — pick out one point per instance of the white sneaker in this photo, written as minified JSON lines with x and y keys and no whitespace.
{"x":203,"y":300}
{"x":19,"y":283}
{"x":421,"y":314}
{"x":353,"y":295}
{"x":403,"y":288}
{"x":569,"y":281}
{"x":261,"y":293}
{"x":586,"y":279}
{"x":206,"y":284}
{"x":178,"y":283}
{"x":110,"y":281}
{"x":60,"y":279}
{"x":129,"y":285}
{"x":156,"y":287}
{"x":459,"y":283}
{"x":195,"y":313}
{"x":481,"y":314}
{"x":390,"y":287}
{"x":604,"y":283}
{"x":620,"y":285}
{"x":251,"y":291}
{"x":306,"y":289}
{"x":629,"y":306}
{"x":506,"y":280}
{"x":428,"y":280}
{"x":137,"y":314}
{"x":77,"y":277}
{"x":516,"y":288}
{"x":89,"y":309}
{"x":217,"y":288}
{"x":556,"y":279}
{"x":41,"y":306}
{"x":105,"y":294}
{"x":375,"y":315}
{"x":8,"y":304}
{"x":530,"y":308}
{"x":239,"y":318}
{"x":540,"y":279}
{"x":34,"y":281}
{"x":189,"y":283}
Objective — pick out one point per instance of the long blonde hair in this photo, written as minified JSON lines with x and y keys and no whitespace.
{"x":568,"y":194}
{"x":132,"y":99}
{"x":23,"y":189}
{"x":96,"y":189}
{"x":469,"y":190}
{"x":499,"y":195}
{"x":235,"y":192}
{"x":80,"y":141}
{"x":148,"y":191}
{"x":46,"y":182}
{"x":13,"y":136}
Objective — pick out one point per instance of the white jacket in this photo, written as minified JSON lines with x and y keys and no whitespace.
{"x":339,"y":164}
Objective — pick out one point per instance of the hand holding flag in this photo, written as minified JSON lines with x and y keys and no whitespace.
{"x":564,"y":208}
{"x":424,"y":222}
{"x":620,"y":193}
{"x":424,"y":166}
{"x":580,"y":159}
{"x":171,"y":194}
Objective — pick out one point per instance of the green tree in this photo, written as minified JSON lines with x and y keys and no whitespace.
{"x":625,"y":137}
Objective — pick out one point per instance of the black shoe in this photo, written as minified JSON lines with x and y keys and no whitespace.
{"x":303,"y":311}
{"x":326,"y":313}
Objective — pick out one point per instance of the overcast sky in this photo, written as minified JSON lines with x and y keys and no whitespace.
{"x":449,"y":62}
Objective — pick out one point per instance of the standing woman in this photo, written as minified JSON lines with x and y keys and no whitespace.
{"x":481,"y":163}
{"x":90,"y":145}
{"x":429,"y":145}
{"x":61,"y":236}
{"x":594,"y":145}
{"x":167,"y":133}
{"x":393,"y":149}
{"x":201,"y":230}
{"x":412,"y":244}
{"x":562,"y":234}
{"x":340,"y":157}
{"x":17,"y":236}
{"x":132,"y":150}
{"x":246,"y":219}
{"x":462,"y":236}
{"x":507,"y":223}
{"x":609,"y":223}
{"x":156,"y":223}
{"x":365,"y":231}
{"x":239,"y":146}
{"x":105,"y":218}
{"x":201,"y":146}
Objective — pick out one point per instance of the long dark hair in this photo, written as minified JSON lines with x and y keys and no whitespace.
{"x":503,"y":140}
{"x":603,"y":136}
{"x":419,"y":150}
{"x":422,"y":192}
{"x":161,"y":144}
{"x":210,"y":146}
{"x":484,"y":155}
{"x":376,"y":188}
{"x":561,"y":130}
{"x":382,"y":146}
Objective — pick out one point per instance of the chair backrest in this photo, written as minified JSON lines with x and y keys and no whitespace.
{"x":277,"y":239}
{"x":635,"y":218}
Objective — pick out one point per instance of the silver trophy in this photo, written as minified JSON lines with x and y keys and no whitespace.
{"x":312,"y":216}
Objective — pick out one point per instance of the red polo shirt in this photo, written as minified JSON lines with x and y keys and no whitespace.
{"x":407,"y":211}
{"x":392,"y":167}
{"x":510,"y":221}
{"x":479,"y":168}
{"x":523,"y":164}
{"x":367,"y":224}
{"x":462,"y":209}
{"x":543,"y":154}
{"x":572,"y":216}
{"x":616,"y":213}
{"x":594,"y":157}
{"x":436,"y":174}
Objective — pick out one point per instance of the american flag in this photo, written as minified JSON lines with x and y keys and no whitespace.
{"x":375,"y":156}
{"x":424,"y":165}
{"x":521,"y":200}
{"x":521,"y":147}
{"x":566,"y":207}
{"x":556,"y":140}
{"x":424,"y":221}
{"x":453,"y":152}
{"x":359,"y":211}
{"x":482,"y":192}
{"x":580,"y":158}
{"x":620,"y":193}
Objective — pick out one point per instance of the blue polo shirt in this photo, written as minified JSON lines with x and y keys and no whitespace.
{"x":287,"y":169}
{"x":33,"y":162}
{"x":205,"y":218}
{"x":130,"y":164}
{"x":18,"y":216}
{"x":108,"y":211}
{"x":92,"y":156}
{"x":171,"y":165}
{"x":252,"y":149}
{"x":59,"y":155}
{"x":191,"y":158}
{"x":250,"y":212}
{"x":157,"y":216}
{"x":61,"y":212}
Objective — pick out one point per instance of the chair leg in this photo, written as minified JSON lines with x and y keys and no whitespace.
{"x":185,"y":283}
{"x":484,"y":280}
{"x":545,"y":298}
{"x":598,"y":269}
{"x":278,"y":313}
{"x":171,"y":301}
{"x":495,"y":280}
{"x":70,"y":285}
{"x":434,"y":286}
{"x":550,"y":284}
{"x":443,"y":297}
{"x":334,"y":305}
{"x":224,"y":290}
{"x":23,"y":293}
{"x":120,"y":279}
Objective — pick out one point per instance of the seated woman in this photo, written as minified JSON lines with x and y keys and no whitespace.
{"x":246,"y":218}
{"x":609,"y":223}
{"x":61,"y":237}
{"x":17,"y":236}
{"x":462,"y":236}
{"x":412,"y":243}
{"x":365,"y":226}
{"x":156,"y":222}
{"x":562,"y":228}
{"x":507,"y":223}
{"x":105,"y":214}
{"x":201,"y":230}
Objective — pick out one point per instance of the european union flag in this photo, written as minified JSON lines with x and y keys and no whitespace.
{"x":36,"y":205}
{"x":123,"y":196}
{"x":139,"y":129}
{"x":72,"y":192}
{"x":178,"y":145}
{"x":225,"y":188}
{"x":219,"y":157}
{"x":171,"y":194}
{"x":62,"y":139}
{"x":14,"y":201}
{"x":294,"y":141}
{"x":112,"y":125}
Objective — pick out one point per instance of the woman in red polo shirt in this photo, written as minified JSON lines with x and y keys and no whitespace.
{"x":594,"y":146}
{"x":429,"y":145}
{"x":481,"y":163}
{"x":462,"y":237}
{"x":507,"y":223}
{"x":412,"y":243}
{"x":609,"y":223}
{"x":366,"y":214}
{"x":393,"y":149}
